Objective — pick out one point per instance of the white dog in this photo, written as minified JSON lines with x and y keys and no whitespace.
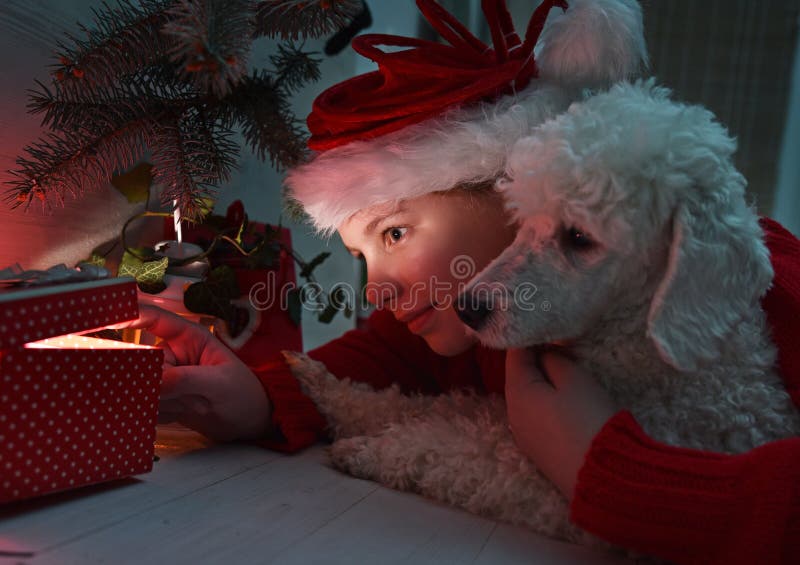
{"x":637,"y":237}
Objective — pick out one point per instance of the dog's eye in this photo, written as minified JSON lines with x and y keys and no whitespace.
{"x":577,"y":239}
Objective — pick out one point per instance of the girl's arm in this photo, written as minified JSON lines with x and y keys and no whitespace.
{"x":690,"y":506}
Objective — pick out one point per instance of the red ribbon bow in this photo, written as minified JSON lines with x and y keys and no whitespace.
{"x":420,"y":82}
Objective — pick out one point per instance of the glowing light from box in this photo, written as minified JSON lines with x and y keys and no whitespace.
{"x":73,"y":341}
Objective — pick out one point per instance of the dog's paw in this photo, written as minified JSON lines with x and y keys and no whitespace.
{"x":356,"y":456}
{"x":352,"y":408}
{"x":313,"y":376}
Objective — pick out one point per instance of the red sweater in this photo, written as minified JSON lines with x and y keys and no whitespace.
{"x":684,"y":505}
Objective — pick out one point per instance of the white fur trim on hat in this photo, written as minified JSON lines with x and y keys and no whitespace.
{"x":470,"y":145}
{"x":462,"y":146}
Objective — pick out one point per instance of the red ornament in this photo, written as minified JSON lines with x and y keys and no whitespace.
{"x":235,"y":214}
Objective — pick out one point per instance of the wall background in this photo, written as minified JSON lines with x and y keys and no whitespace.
{"x":737,"y":57}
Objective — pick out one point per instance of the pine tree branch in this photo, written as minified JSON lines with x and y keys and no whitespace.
{"x":190,"y":156}
{"x":73,"y":162}
{"x":217,"y":137}
{"x":170,"y":76}
{"x":94,"y":107}
{"x":210,"y":42}
{"x":123,"y":40}
{"x":294,"y":68}
{"x":294,"y":19}
{"x":264,"y":114}
{"x":173,"y":169}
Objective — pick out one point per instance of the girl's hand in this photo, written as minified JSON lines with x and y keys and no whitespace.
{"x":555,"y":414}
{"x":204,"y":385}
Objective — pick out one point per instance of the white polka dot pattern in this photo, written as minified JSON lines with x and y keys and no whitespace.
{"x":75,"y":417}
{"x":30,"y":315}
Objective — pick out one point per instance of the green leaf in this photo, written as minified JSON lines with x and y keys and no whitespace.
{"x":149,"y":275}
{"x":338,"y":297}
{"x":272,"y":233}
{"x":313,"y":264}
{"x":295,"y":305}
{"x":213,"y":295}
{"x":152,"y":288}
{"x":135,"y":184}
{"x":129,"y":265}
{"x":327,"y":314}
{"x":152,"y":272}
{"x":264,"y":256}
{"x":205,"y":206}
{"x":95,"y":259}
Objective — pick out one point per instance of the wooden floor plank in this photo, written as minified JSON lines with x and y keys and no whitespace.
{"x":187,"y":463}
{"x":254,"y":514}
{"x":393,"y":527}
{"x":512,"y":545}
{"x":239,"y":503}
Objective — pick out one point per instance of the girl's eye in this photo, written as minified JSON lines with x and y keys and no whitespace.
{"x":393,"y":235}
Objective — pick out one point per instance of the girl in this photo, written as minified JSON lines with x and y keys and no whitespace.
{"x":406,"y":164}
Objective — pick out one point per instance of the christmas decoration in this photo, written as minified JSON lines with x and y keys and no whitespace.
{"x":74,"y":410}
{"x":206,"y":263}
{"x":171,"y":78}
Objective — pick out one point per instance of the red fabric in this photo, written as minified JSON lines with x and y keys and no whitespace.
{"x":422,"y":81}
{"x":685,"y":505}
{"x":690,"y":506}
{"x":782,"y":303}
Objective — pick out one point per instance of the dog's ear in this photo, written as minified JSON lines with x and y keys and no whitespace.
{"x":717,"y":271}
{"x":594,"y":44}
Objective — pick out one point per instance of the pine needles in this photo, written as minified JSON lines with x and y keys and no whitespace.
{"x":170,"y":78}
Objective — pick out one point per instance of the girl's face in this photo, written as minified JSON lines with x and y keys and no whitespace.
{"x":421,"y":253}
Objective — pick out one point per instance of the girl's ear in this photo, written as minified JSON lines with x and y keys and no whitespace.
{"x":594,"y":44}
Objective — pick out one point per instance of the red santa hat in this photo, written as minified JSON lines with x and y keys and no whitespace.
{"x":439,"y":115}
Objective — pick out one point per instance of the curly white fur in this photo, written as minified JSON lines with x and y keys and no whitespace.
{"x":455,"y":448}
{"x":594,"y":44}
{"x":663,"y":306}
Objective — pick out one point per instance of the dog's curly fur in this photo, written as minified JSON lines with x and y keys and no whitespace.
{"x":660,"y":301}
{"x":660,"y":297}
{"x":454,"y":447}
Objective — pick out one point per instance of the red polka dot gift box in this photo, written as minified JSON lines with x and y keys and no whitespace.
{"x":74,"y":410}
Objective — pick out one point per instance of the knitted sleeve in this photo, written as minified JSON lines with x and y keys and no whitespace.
{"x":782,"y":302}
{"x":383,"y":353}
{"x":690,"y":506}
{"x":696,"y":507}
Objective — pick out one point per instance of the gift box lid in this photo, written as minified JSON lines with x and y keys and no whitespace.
{"x":34,"y":313}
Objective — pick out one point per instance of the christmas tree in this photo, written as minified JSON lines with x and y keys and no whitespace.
{"x":171,"y":80}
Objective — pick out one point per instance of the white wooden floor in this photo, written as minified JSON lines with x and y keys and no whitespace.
{"x":239,"y":504}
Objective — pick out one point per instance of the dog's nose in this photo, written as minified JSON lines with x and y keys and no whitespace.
{"x":472,"y":312}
